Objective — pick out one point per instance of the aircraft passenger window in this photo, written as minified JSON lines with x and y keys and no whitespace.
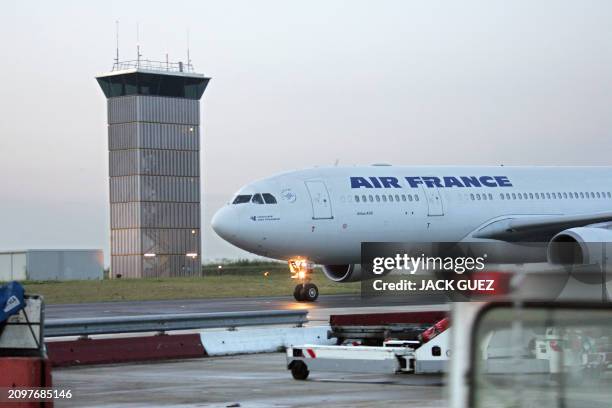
{"x":410,"y":197}
{"x":609,"y":195}
{"x":537,"y":196}
{"x":257,"y":199}
{"x":478,"y":196}
{"x":396,"y":197}
{"x":592,"y":194}
{"x":472,"y":197}
{"x":570,"y":195}
{"x":559,"y":195}
{"x":404,"y":197}
{"x":416,"y":197}
{"x":531,"y":196}
{"x":490,"y":196}
{"x":356,"y":198}
{"x":241,"y":199}
{"x":484,"y":196}
{"x":520,"y":196}
{"x":390,"y":198}
{"x":507,"y":196}
{"x":514,"y":196}
{"x":598,"y":194}
{"x":364,"y":198}
{"x":269,"y":198}
{"x":564,"y":195}
{"x":554,"y":195}
{"x":377,"y":198}
{"x":384,"y":197}
{"x":501,"y":195}
{"x":371,"y":198}
{"x":548,"y":195}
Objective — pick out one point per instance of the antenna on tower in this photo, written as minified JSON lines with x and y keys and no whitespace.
{"x":138,"y":45}
{"x":117,"y":44}
{"x":188,"y":56}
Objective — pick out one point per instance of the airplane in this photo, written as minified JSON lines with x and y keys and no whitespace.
{"x":322,"y":215}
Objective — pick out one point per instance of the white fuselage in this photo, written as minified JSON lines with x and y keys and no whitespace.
{"x":324,"y":214}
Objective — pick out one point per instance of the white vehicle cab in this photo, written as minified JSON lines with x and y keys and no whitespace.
{"x":523,"y":352}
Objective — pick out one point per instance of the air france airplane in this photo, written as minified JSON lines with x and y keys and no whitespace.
{"x":322,"y":215}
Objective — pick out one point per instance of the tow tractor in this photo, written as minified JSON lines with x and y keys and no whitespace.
{"x":305,"y":290}
{"x":420,"y":345}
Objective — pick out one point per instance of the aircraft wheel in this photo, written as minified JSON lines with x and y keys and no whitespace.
{"x":297,"y":292}
{"x":310,"y":292}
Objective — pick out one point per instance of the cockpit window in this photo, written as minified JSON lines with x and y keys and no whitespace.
{"x":257,"y":199}
{"x":269,"y":198}
{"x":241,"y":199}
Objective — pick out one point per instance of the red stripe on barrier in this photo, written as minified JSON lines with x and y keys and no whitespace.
{"x":126,"y":349}
{"x":311,"y":353}
{"x":377,"y":319}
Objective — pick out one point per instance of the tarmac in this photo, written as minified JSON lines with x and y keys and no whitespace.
{"x":248,"y":381}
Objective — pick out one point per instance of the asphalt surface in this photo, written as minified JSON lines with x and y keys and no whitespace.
{"x":247,"y":381}
{"x":256,"y":381}
{"x":106,"y":309}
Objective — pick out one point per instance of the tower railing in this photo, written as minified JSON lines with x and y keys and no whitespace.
{"x":153,"y":65}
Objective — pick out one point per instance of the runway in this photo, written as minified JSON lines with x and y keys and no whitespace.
{"x":345,"y":303}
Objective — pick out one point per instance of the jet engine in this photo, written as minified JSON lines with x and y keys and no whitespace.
{"x":581,"y":245}
{"x":343,"y":273}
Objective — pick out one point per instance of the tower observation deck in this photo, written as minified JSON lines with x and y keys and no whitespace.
{"x":154,"y":167}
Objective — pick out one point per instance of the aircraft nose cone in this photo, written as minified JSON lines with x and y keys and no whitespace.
{"x":225,"y":224}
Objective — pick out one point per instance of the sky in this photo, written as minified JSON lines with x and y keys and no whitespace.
{"x":295,"y":85}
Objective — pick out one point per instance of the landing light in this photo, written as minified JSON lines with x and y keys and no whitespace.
{"x":299,"y":267}
{"x":149,"y":255}
{"x":191,"y":255}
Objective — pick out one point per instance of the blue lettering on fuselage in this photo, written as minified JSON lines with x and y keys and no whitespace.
{"x":431,"y":181}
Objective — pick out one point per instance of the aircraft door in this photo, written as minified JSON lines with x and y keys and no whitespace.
{"x":435,"y":206}
{"x":319,"y":197}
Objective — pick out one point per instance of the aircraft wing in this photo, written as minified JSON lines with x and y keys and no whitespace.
{"x":537,"y":228}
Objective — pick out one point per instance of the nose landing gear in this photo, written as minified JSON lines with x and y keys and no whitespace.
{"x":305,"y":291}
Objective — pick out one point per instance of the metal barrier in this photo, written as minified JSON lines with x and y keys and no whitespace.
{"x":167,"y":322}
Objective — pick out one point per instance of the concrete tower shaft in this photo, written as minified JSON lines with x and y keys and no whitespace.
{"x":154,"y":169}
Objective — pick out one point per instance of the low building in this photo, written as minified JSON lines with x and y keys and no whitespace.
{"x":51,"y":264}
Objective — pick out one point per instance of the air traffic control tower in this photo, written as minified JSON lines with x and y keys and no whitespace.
{"x":154,"y":168}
